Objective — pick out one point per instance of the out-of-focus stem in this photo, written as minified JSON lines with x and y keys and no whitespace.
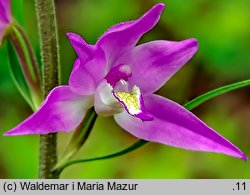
{"x":50,"y":59}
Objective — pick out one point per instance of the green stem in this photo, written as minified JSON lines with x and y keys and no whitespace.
{"x":189,"y":106}
{"x":131,"y":148}
{"x":48,"y":156}
{"x":50,"y":59}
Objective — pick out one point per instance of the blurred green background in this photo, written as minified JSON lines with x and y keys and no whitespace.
{"x":223,"y":32}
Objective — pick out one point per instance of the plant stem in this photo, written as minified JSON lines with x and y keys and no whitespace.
{"x":131,"y":148}
{"x":48,"y":156}
{"x":50,"y":59}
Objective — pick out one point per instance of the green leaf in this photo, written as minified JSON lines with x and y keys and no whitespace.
{"x":17,"y":74}
{"x":214,"y":93}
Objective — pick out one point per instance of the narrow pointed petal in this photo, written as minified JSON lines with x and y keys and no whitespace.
{"x":62,"y":110}
{"x":81,"y":81}
{"x":123,"y":37}
{"x":89,"y":68}
{"x":157,"y":61}
{"x":84,"y":51}
{"x":175,"y":126}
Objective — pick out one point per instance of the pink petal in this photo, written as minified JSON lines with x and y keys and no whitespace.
{"x":89,"y":69}
{"x":5,"y":17}
{"x":175,"y":126}
{"x":157,"y":61}
{"x":81,"y":81}
{"x":62,"y":110}
{"x":5,"y":12}
{"x":123,"y":37}
{"x":117,"y":73}
{"x":84,"y":51}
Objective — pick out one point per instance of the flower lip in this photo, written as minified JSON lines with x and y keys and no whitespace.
{"x":132,"y":101}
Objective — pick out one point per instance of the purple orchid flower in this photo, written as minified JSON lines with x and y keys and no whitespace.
{"x":5,"y":17}
{"x":119,"y":78}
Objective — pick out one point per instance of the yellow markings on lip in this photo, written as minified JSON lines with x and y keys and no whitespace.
{"x":130,"y":99}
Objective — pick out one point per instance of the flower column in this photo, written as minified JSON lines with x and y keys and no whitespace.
{"x":50,"y":59}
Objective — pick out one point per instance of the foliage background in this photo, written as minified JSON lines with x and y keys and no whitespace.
{"x":223,"y":32}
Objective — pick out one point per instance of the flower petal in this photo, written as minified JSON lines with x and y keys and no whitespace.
{"x":175,"y":126}
{"x":117,"y":73}
{"x":156,"y":62}
{"x":89,"y":68}
{"x":81,"y":81}
{"x":5,"y":17}
{"x":83,"y":50}
{"x":62,"y":110}
{"x":5,"y":13}
{"x":122,"y":37}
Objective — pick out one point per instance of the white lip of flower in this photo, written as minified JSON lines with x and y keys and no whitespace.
{"x":116,"y":99}
{"x":108,"y":103}
{"x":115,"y":95}
{"x":130,"y":100}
